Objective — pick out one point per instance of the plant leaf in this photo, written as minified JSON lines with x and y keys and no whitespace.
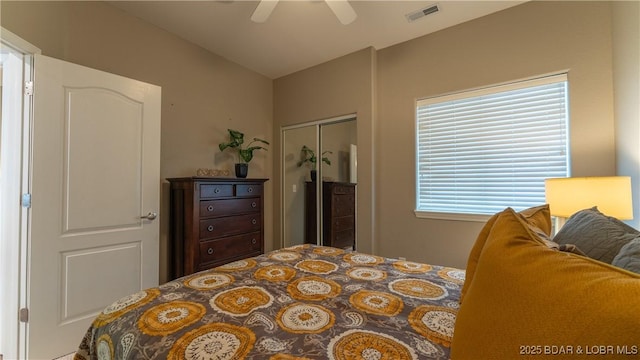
{"x":236,"y":136}
{"x":261,"y":140}
{"x":246,"y":154}
{"x":236,"y":139}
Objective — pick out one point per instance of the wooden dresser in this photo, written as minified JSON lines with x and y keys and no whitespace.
{"x":338,"y":216}
{"x":214,"y":221}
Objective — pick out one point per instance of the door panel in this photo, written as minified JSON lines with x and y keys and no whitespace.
{"x":96,"y":161}
{"x":298,"y":224}
{"x":105,"y":158}
{"x":78,"y":303}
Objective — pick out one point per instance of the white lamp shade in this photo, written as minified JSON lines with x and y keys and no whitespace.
{"x":612,"y":195}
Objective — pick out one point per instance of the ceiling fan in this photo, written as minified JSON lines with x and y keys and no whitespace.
{"x":341,"y":8}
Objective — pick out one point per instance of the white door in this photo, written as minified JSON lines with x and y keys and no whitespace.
{"x":96,"y":173}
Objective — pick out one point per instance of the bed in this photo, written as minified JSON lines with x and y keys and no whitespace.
{"x":302,"y":302}
{"x":523,"y":295}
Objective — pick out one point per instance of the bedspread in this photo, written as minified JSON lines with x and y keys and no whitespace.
{"x":302,"y":302}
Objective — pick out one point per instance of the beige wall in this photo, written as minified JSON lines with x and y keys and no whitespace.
{"x":202,"y":93}
{"x":343,"y":86}
{"x":626,"y":71}
{"x":524,"y":41}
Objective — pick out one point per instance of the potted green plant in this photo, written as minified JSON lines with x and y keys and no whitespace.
{"x":245,"y":154}
{"x":307,"y":155}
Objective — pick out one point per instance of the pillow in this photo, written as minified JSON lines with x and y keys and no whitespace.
{"x":526,"y":299}
{"x":629,"y":256}
{"x":554,"y":245}
{"x":538,"y":217}
{"x":599,"y":236}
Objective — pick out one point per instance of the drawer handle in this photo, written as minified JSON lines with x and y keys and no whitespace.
{"x":254,"y":241}
{"x":210,"y":208}
{"x":210,"y":251}
{"x":216,"y":190}
{"x":253,"y":204}
{"x":250,"y":189}
{"x":254,"y":221}
{"x":210,"y":227}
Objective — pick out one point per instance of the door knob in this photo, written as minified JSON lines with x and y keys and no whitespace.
{"x":150,"y":216}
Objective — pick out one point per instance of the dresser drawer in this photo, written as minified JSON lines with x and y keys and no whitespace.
{"x":208,"y":191}
{"x":230,"y":225}
{"x":343,"y":189}
{"x":343,"y":223}
{"x":211,"y":208}
{"x":343,"y":239}
{"x":248,"y":190}
{"x":343,"y":205}
{"x":230,"y":247}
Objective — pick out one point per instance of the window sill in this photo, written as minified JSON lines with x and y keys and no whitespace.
{"x":451,"y":216}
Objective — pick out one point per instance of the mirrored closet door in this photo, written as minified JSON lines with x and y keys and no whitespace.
{"x":319,"y":183}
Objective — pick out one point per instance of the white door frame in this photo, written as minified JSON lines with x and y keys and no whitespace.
{"x":14,"y":219}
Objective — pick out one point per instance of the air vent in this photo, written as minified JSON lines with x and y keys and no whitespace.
{"x":415,"y":15}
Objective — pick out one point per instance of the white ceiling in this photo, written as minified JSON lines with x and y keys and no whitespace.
{"x":300,"y":33}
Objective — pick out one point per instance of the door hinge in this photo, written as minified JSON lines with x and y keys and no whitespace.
{"x":28,"y":88}
{"x":26,"y":200}
{"x":24,"y":315}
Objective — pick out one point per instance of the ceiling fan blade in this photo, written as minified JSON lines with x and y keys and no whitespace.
{"x":263,"y":10}
{"x":343,"y":10}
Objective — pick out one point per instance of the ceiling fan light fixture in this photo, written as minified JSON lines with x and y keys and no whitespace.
{"x":343,"y":11}
{"x":341,"y":8}
{"x":263,"y":10}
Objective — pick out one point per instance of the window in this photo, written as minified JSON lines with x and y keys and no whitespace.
{"x":483,"y":150}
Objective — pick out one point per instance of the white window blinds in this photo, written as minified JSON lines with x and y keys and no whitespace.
{"x":483,"y":150}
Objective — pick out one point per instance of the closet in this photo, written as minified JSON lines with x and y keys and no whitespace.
{"x":319,"y":183}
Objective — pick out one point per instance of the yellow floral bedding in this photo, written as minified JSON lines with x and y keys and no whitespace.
{"x":302,"y":302}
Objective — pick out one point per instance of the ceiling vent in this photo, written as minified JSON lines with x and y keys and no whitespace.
{"x":415,"y":15}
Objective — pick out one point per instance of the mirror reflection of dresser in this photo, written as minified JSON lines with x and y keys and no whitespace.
{"x":338,"y":214}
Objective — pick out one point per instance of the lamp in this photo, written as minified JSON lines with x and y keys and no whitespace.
{"x":611,"y":194}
